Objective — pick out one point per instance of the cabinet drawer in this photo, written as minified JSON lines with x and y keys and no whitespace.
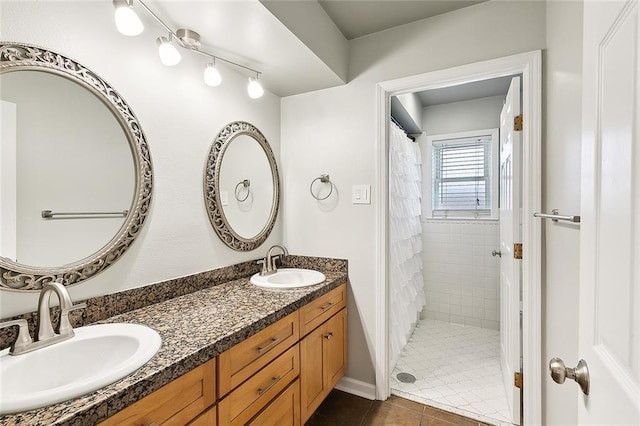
{"x":176,"y":403}
{"x":208,"y":418}
{"x":282,"y":411}
{"x":241,"y":361}
{"x":321,"y":309}
{"x":250,"y":397}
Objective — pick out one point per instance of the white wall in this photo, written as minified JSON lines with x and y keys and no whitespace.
{"x":460,"y":275}
{"x":333,"y":131}
{"x":461,"y":278}
{"x":475,"y":114}
{"x":180,"y":117}
{"x":407,"y":110}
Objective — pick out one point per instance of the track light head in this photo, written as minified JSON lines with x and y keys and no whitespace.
{"x":127,"y":20}
{"x":212,"y":76}
{"x":254,"y":88}
{"x":169,"y":55}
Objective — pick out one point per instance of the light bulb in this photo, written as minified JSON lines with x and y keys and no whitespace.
{"x":254,"y":89}
{"x":169,"y":55}
{"x":127,"y":21}
{"x":211,"y":76}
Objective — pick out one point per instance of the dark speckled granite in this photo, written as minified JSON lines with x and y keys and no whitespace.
{"x":102,"y":307}
{"x":195,"y":327}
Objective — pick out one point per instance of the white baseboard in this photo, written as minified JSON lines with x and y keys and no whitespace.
{"x":357,"y":387}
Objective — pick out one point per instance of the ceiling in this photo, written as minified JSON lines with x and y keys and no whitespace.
{"x":357,"y":18}
{"x":465,"y":92}
{"x":298,"y":45}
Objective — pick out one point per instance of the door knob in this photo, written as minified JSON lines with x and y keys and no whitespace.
{"x":559,"y":373}
{"x":495,"y":253}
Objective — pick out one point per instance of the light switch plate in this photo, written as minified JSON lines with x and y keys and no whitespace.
{"x":361,"y":194}
{"x":224,"y":198}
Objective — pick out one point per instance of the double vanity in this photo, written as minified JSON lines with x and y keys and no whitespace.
{"x":242,"y":344}
{"x":233,"y":353}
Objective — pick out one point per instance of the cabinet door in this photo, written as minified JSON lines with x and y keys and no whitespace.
{"x":335,"y":349}
{"x":312,"y":390}
{"x":323,"y":361}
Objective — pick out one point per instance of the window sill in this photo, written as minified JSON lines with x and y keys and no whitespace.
{"x":460,"y":219}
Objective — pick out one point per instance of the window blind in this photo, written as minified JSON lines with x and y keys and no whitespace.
{"x":461,"y":175}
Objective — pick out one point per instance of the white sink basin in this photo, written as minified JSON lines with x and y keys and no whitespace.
{"x":289,"y":278}
{"x":95,"y":357}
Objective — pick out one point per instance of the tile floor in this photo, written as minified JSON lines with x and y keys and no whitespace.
{"x":457,"y":369}
{"x":343,"y":409}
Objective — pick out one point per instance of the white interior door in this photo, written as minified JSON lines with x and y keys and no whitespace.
{"x":610,"y":229}
{"x":510,"y":201}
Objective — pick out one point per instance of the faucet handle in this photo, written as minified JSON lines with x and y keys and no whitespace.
{"x":263,"y":262}
{"x":24,"y":338}
{"x":65,"y":326}
{"x":273,"y":261}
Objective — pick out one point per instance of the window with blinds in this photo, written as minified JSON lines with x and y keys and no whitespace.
{"x":461,"y":176}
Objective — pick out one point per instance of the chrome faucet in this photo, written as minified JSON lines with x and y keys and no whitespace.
{"x":45,"y":335}
{"x":269,"y":262}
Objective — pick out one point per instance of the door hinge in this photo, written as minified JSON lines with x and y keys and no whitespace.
{"x":517,"y":123}
{"x":517,"y":380}
{"x":517,"y":250}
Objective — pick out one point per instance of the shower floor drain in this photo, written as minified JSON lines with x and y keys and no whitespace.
{"x":406,"y":377}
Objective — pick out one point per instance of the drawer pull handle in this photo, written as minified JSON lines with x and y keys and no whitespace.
{"x":272,"y":343}
{"x":327,"y":306}
{"x":329,"y":335}
{"x":269,"y":386}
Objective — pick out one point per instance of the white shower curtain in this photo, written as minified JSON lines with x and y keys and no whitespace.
{"x":406,"y":285}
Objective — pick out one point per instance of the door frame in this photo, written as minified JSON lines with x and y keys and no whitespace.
{"x":528,"y":64}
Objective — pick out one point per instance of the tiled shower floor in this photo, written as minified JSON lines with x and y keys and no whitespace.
{"x":457,"y":369}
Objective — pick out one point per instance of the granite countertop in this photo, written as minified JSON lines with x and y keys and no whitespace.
{"x":194,"y":328}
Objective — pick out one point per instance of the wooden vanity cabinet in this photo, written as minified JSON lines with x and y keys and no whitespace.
{"x":261,"y":382}
{"x":176,"y":403}
{"x":269,"y":379}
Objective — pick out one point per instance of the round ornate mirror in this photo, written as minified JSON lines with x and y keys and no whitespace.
{"x":75,"y":166}
{"x":241,"y":186}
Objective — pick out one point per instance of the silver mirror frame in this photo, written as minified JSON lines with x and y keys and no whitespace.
{"x":212,"y":199}
{"x":18,"y":277}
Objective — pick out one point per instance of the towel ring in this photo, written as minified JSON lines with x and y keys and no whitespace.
{"x":245,"y":184}
{"x":323,"y":179}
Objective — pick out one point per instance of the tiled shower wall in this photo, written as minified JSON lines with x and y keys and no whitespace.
{"x":461,"y":277}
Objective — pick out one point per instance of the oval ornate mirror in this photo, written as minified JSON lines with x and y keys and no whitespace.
{"x":75,"y":166}
{"x":241,"y":186}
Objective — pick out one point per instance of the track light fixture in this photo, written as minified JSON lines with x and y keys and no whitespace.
{"x":128,"y":23}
